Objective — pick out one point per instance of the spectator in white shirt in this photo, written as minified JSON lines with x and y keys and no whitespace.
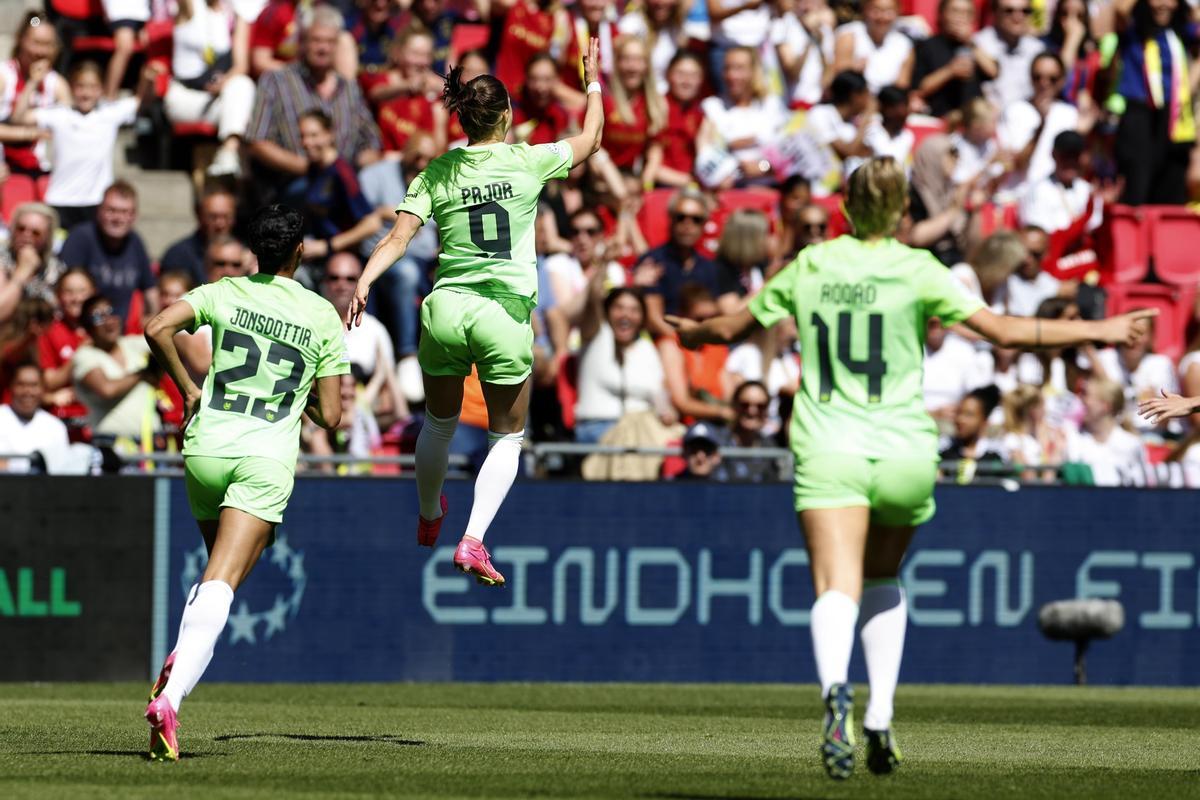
{"x":660,"y":24}
{"x":1141,"y":373}
{"x":1115,"y":456}
{"x":735,"y":23}
{"x":1030,"y":285}
{"x":840,"y":126}
{"x":874,"y":47}
{"x":952,"y":368}
{"x":1059,"y":201}
{"x":1009,"y":42}
{"x":746,"y":115}
{"x":25,"y":428}
{"x":1029,"y":439}
{"x":803,"y":39}
{"x":1028,"y":128}
{"x":887,"y":135}
{"x":979,"y":155}
{"x":84,"y":136}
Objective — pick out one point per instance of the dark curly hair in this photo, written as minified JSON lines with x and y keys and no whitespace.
{"x":479,"y":103}
{"x":275,"y":233}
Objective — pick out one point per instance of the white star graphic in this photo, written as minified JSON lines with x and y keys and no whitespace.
{"x":281,"y":552}
{"x":275,"y":619}
{"x":241,"y":625}
{"x":296,"y":573}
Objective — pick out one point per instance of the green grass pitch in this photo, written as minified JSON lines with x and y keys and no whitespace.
{"x":589,"y":740}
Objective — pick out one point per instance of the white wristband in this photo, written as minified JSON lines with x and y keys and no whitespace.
{"x":594,"y":86}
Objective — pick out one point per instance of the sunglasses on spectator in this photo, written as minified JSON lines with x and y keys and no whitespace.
{"x":1048,"y":77}
{"x":590,"y":230}
{"x":1015,"y":11}
{"x":696,"y":219}
{"x":341,"y":278}
{"x":227,"y":263}
{"x":742,"y":404}
{"x":101,"y":315}
{"x":819,"y":227}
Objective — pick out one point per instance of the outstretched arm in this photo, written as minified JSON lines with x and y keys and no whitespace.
{"x":584,"y":144}
{"x":723,"y":329}
{"x":1013,"y":332}
{"x":160,"y":335}
{"x":390,"y":249}
{"x":1168,"y":406}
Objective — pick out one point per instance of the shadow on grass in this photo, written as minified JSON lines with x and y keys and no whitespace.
{"x":689,"y":796}
{"x":308,"y":737}
{"x":141,"y":754}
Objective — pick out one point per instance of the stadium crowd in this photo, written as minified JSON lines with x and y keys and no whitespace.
{"x":1033,"y":131}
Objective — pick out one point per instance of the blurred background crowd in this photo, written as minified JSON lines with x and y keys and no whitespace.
{"x":1051,"y":146}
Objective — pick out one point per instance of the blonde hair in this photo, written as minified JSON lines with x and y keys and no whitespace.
{"x":876,"y":197}
{"x":1113,"y":394}
{"x":997,"y":257}
{"x":1017,"y":405}
{"x":677,"y":20}
{"x":656,"y":107}
{"x":758,"y":83}
{"x":743,"y":242}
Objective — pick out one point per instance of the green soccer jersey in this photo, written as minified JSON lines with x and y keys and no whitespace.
{"x":861,"y":309}
{"x":485,"y":199}
{"x":271,"y":339}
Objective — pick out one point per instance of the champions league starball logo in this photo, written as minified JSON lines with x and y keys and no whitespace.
{"x":244,"y":623}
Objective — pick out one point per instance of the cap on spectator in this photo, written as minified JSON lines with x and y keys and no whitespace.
{"x":700,"y":432}
{"x":1069,"y":143}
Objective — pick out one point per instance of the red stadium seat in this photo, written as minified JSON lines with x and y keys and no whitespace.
{"x":652,"y":217}
{"x":1174,"y":304}
{"x":467,"y":38}
{"x":764,"y":200}
{"x":20,"y":189}
{"x":196,"y":130}
{"x":1174,"y":244}
{"x":78,"y":9}
{"x":1123,"y":245}
{"x":923,"y":127}
{"x":567,"y":388}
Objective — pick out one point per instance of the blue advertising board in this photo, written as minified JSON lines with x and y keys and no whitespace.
{"x":679,"y":582}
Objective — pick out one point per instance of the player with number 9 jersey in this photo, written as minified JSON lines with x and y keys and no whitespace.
{"x":274,"y":342}
{"x":484,"y":197}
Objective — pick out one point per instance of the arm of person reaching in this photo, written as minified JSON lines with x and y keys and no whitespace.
{"x":585,"y":143}
{"x":324,"y":405}
{"x":278,"y":158}
{"x":391,"y":248}
{"x":722,"y":329}
{"x":676,"y":380}
{"x":1019,"y":332}
{"x":160,"y":335}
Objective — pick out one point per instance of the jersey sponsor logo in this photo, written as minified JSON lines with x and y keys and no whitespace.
{"x":848,"y":294}
{"x":271,"y":327}
{"x":489,"y":193}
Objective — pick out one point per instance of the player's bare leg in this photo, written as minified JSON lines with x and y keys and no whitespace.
{"x":836,"y":540}
{"x":883,"y":620}
{"x":443,"y":401}
{"x":238,"y":543}
{"x":508,"y":407}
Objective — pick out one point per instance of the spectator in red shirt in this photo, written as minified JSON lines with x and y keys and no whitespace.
{"x":538,"y":117}
{"x":671,"y":157}
{"x":588,"y":18}
{"x":401,"y":94}
{"x":521,"y":29}
{"x":61,"y":339}
{"x":634,"y":112}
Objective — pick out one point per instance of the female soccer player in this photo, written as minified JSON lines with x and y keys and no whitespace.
{"x":866,"y":451}
{"x":484,"y":198}
{"x":273,"y":343}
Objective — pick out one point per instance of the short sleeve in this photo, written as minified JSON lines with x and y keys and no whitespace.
{"x":50,"y":118}
{"x":83,"y":362}
{"x":123,"y":111}
{"x":943,"y":296}
{"x":334,"y":359}
{"x":202,"y":302}
{"x":553,"y":160}
{"x":777,"y":300}
{"x":417,"y":200}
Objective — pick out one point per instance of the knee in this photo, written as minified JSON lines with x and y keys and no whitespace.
{"x":239,"y":87}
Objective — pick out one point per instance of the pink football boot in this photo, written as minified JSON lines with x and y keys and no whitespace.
{"x":473,"y":558}
{"x":163,"y":677}
{"x":428,"y":529}
{"x":164,"y":746}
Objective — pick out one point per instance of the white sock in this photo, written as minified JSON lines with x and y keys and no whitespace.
{"x":203,"y":620}
{"x":883,"y":620}
{"x":495,"y":478}
{"x":433,"y":455}
{"x":832,"y":621}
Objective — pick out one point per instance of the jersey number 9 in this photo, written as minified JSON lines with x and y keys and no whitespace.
{"x":286,"y":386}
{"x":499,"y":246}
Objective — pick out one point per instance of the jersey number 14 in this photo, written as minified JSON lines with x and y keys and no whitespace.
{"x":873,"y":366}
{"x":279,"y":353}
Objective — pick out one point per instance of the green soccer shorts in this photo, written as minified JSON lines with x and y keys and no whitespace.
{"x":899,"y":491}
{"x":259,"y":486}
{"x":460,"y":328}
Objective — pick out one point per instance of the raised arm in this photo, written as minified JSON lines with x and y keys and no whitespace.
{"x":585,"y":144}
{"x":1015,"y":332}
{"x":391,"y":248}
{"x":160,"y":335}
